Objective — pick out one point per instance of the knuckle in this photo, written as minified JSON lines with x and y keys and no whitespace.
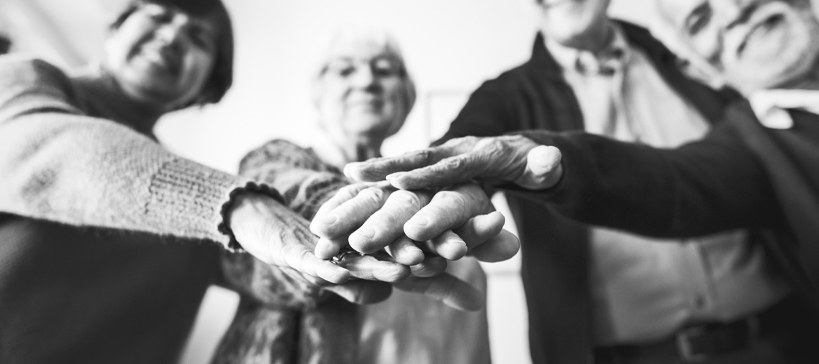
{"x":452,"y":199}
{"x":453,"y":163}
{"x":424,"y":155}
{"x":374,"y":194}
{"x":406,"y":198}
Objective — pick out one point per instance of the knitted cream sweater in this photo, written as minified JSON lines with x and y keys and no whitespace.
{"x":58,"y":164}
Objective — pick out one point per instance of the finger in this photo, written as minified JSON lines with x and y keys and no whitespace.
{"x":498,"y":248}
{"x":301,"y":259}
{"x":448,"y":209}
{"x":349,"y":211}
{"x":456,"y":169}
{"x":430,"y":267}
{"x":447,"y":289}
{"x":449,"y":245}
{"x":370,"y":268}
{"x":481,"y":228}
{"x":377,"y":169}
{"x":404,"y":251}
{"x":384,"y":226}
{"x":543,"y":168}
{"x":362,"y":292}
{"x":327,"y":248}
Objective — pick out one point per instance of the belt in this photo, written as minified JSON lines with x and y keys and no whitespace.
{"x":698,"y":343}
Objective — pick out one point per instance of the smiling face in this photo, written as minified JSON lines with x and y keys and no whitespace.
{"x":571,"y":22}
{"x":161,"y":55}
{"x":755,"y":44}
{"x":362,"y":90}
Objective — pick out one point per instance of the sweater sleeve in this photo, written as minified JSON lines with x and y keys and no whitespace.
{"x":305,"y":183}
{"x":485,"y":114}
{"x":704,"y":187}
{"x":60,"y":165}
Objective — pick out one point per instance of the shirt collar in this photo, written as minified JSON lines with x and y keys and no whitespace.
{"x":770,"y":106}
{"x":607,"y":61}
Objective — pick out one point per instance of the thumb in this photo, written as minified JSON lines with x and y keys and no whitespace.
{"x":543,"y":168}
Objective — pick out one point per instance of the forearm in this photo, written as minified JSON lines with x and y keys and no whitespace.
{"x":83,"y":171}
{"x":700,"y":188}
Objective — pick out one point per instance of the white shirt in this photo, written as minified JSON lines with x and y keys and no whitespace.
{"x":645,"y":289}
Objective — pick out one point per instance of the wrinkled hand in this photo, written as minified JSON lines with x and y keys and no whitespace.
{"x":494,"y":160}
{"x":276,"y":236}
{"x":451,"y":222}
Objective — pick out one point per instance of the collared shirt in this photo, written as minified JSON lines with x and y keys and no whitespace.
{"x":770,"y":106}
{"x":645,"y":289}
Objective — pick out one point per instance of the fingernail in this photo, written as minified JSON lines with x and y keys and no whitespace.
{"x":325,"y":250}
{"x":419,"y":220}
{"x":410,"y":255}
{"x":391,"y":176}
{"x":361,"y":238}
{"x":329,"y":219}
{"x":454,"y":249}
{"x":365,"y":232}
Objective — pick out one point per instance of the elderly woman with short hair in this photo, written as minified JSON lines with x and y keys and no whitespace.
{"x":363,"y":94}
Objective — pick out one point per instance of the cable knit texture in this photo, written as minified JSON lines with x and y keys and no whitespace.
{"x":60,"y":165}
{"x":102,"y":251}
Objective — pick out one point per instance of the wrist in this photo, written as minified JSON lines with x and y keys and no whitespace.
{"x":241,"y":206}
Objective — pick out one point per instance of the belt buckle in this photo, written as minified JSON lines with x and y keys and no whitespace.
{"x":686,"y":348}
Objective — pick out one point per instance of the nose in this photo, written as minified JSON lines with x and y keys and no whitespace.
{"x":171,"y":31}
{"x":364,"y":77}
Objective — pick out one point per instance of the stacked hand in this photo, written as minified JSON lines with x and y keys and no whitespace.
{"x":402,"y":229}
{"x":409,"y":226}
{"x":372,"y":217}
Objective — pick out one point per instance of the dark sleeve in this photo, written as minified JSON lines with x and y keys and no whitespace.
{"x":700,"y":188}
{"x":486,"y":113}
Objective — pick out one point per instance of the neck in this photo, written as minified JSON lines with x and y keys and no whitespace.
{"x":107,"y":100}
{"x":339,"y":151}
{"x":593,"y":40}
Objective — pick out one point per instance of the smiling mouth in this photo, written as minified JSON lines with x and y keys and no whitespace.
{"x":765,"y":25}
{"x":161,"y":58}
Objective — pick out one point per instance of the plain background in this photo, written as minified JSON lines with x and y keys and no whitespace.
{"x":450,"y":47}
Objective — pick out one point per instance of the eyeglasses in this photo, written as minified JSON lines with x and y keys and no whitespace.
{"x":380,"y":67}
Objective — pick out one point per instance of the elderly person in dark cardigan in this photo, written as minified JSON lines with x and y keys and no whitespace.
{"x":363,"y":93}
{"x":757,"y":169}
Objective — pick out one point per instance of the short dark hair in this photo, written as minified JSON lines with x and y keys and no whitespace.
{"x":221,"y":77}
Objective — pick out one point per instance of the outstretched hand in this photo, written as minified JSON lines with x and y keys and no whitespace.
{"x":494,"y":160}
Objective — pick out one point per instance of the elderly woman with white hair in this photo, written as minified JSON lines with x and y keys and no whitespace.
{"x":363,"y":94}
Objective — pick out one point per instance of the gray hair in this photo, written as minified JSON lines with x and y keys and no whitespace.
{"x":385,"y":41}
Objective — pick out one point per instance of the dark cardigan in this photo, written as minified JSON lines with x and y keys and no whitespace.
{"x":741,"y":175}
{"x":535,"y":96}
